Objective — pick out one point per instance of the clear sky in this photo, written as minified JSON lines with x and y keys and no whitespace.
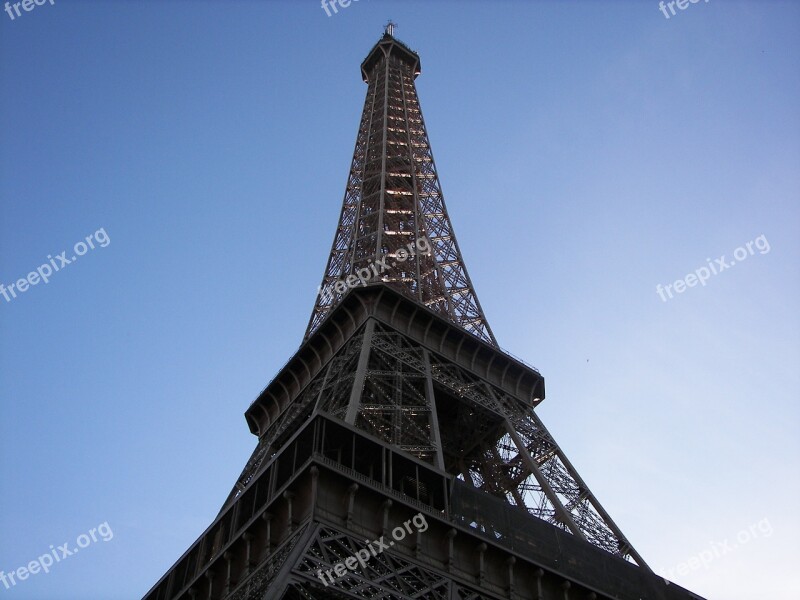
{"x":588,"y":152}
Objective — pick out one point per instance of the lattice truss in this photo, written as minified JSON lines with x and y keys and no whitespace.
{"x":386,"y":575}
{"x":258,"y":584}
{"x":392,"y":200}
{"x":487,"y":438}
{"x":509,"y":453}
{"x":331,"y":389}
{"x":394,"y":405}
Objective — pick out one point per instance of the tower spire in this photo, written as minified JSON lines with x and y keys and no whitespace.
{"x":394,"y":228}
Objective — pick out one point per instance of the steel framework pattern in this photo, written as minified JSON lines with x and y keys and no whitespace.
{"x":387,"y":575}
{"x":401,"y":400}
{"x":431,"y":408}
{"x":393,"y":198}
{"x":333,"y":485}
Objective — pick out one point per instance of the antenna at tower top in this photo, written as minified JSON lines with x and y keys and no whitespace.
{"x":389,"y":29}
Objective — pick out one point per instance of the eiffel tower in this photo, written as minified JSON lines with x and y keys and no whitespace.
{"x":399,"y":454}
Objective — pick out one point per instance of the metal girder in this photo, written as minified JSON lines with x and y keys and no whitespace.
{"x":329,"y":389}
{"x":543,"y":474}
{"x":387,"y":575}
{"x":380,"y":383}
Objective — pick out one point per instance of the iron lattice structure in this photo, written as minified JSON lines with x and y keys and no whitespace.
{"x":400,"y":402}
{"x":388,"y":386}
{"x":393,"y":198}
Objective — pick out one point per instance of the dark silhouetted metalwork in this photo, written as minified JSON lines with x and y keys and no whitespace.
{"x":399,"y":404}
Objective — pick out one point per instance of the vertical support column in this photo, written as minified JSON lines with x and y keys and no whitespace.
{"x":481,"y":565}
{"x":451,"y":534}
{"x":435,"y":437}
{"x":565,"y":587}
{"x":445,"y":498}
{"x":210,"y":577}
{"x":289,"y":496}
{"x":511,"y":561}
{"x":361,"y":373}
{"x":249,"y":563}
{"x":538,"y":574}
{"x":267,"y":518}
{"x":226,"y":588}
{"x":386,"y":506}
{"x":351,"y":502}
{"x":314,"y":489}
{"x":390,"y":460}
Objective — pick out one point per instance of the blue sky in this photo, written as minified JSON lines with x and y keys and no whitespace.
{"x":588,"y":152}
